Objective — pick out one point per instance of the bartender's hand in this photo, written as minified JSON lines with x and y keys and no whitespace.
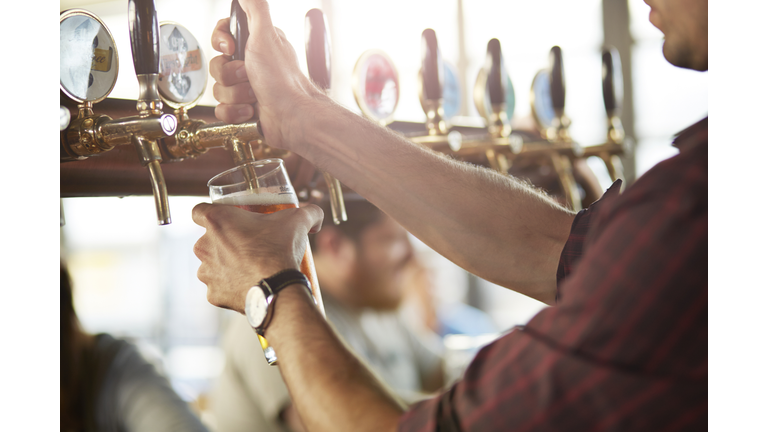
{"x":240,"y":248}
{"x":270,"y":78}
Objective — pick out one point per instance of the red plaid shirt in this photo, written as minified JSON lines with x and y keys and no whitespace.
{"x":625,"y":349}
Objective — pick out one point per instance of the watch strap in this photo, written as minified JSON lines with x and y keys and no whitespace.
{"x":274,"y":284}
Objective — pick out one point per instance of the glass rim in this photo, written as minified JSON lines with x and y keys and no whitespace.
{"x":278,"y":162}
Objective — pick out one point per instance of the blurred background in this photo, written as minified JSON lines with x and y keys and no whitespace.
{"x":135,"y":279}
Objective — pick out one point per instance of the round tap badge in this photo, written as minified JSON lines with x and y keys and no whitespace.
{"x":541,"y":100}
{"x":88,"y":61}
{"x":509,"y":100}
{"x":183,"y":71}
{"x":451,"y":91}
{"x":376,"y":86}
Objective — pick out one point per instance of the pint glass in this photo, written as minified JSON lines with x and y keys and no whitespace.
{"x":263,"y":187}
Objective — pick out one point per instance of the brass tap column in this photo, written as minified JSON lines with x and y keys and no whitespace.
{"x":145,"y":45}
{"x":490,"y":95}
{"x":430,"y":82}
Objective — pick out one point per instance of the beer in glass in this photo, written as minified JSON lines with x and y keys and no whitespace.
{"x":263,"y":187}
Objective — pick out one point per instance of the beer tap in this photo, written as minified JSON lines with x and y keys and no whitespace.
{"x":183,"y":76}
{"x":145,"y":46}
{"x":559,"y":128}
{"x":318,"y":50}
{"x":548,"y":109}
{"x":490,"y":94}
{"x":241,"y":150}
{"x":491,"y":91}
{"x":182,"y":83}
{"x":430,"y":82}
{"x":89,"y":67}
{"x":613,"y":95}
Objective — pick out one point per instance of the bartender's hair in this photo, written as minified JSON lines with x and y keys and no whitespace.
{"x":360,"y":214}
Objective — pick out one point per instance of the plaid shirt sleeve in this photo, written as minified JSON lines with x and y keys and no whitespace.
{"x":625,"y":349}
{"x":574,"y":247}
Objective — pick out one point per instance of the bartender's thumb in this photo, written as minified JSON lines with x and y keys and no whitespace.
{"x":259,"y":20}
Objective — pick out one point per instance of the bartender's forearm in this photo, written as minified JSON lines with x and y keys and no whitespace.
{"x":492,"y":225}
{"x":330,"y":388}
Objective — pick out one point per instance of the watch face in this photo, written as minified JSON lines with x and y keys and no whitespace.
{"x":255,"y":306}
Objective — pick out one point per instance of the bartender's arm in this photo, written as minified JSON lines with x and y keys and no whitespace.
{"x":330,"y":388}
{"x":491,"y":225}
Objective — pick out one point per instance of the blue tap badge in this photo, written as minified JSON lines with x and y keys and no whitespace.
{"x":451,"y":92}
{"x":510,"y":98}
{"x":541,"y":100}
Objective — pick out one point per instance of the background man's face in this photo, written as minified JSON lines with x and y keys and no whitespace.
{"x":684,"y":24}
{"x":383,"y":254}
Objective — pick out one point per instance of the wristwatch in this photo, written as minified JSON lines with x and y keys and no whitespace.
{"x":259,"y":302}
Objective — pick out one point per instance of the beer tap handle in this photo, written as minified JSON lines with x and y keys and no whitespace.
{"x":556,"y":80}
{"x":431,"y":66}
{"x":612,"y":94}
{"x":491,"y":90}
{"x":238,"y":27}
{"x":497,"y":73}
{"x":145,"y":46}
{"x":318,"y":50}
{"x":145,"y":39}
{"x":431,"y":76}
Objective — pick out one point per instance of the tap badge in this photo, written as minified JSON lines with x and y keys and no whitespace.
{"x":175,"y":66}
{"x":181,"y":63}
{"x":376,"y":86}
{"x":88,"y":59}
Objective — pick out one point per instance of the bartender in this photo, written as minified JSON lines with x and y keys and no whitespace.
{"x":624,"y":346}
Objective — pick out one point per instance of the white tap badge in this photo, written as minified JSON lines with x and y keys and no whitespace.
{"x":88,"y":58}
{"x":183,"y":72}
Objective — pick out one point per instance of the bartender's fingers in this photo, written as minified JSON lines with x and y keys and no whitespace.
{"x":259,"y":19}
{"x":227,"y":71}
{"x":237,"y":94}
{"x":221,"y":39}
{"x":238,"y":113}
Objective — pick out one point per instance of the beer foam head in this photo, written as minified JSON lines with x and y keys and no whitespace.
{"x":263,"y":197}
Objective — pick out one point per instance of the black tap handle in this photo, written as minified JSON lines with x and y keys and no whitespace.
{"x":497,"y":73}
{"x":145,"y":36}
{"x":612,"y":81}
{"x":431,"y":66}
{"x":556,"y":80}
{"x":238,"y":27}
{"x":318,"y":48}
